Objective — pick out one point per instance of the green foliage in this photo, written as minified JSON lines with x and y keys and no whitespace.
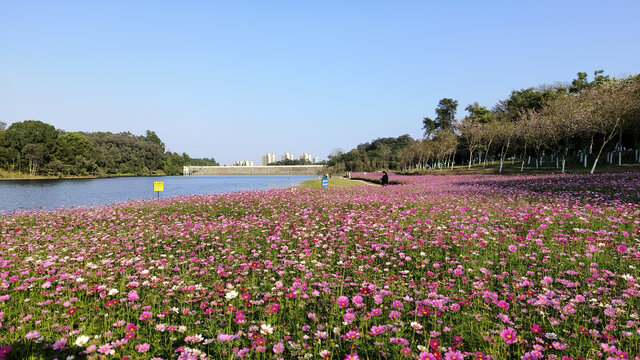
{"x":479,"y":114}
{"x":446,"y":113}
{"x":290,"y":162}
{"x":382,"y":153}
{"x":39,"y":149}
{"x":445,"y":117}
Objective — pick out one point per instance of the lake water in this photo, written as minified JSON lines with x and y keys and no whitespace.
{"x":54,"y":194}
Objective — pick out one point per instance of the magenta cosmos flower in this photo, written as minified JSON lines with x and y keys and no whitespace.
{"x":508,"y":335}
{"x":145,"y":315}
{"x":453,"y":355}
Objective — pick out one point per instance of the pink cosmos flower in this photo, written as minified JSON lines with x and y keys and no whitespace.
{"x":621,"y":249}
{"x":278,"y":348}
{"x":130,"y":327}
{"x":611,"y":312}
{"x":91,"y":348}
{"x":352,"y":357}
{"x":513,"y":248}
{"x":536,"y":329}
{"x":357,"y":300}
{"x":453,"y":355}
{"x":59,"y":345}
{"x":145,"y":315}
{"x":508,"y":335}
{"x":343,"y":301}
{"x":4,"y":351}
{"x":349,"y":317}
{"x":32,"y":335}
{"x":105,"y":349}
{"x":426,"y":356}
{"x":352,"y":335}
{"x":569,"y":309}
{"x":142,"y":348}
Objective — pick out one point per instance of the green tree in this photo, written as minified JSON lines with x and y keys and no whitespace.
{"x":446,"y":113}
{"x":42,"y":138}
{"x":579,"y":83}
{"x":74,"y":151}
{"x":26,"y":132}
{"x":152,"y":137}
{"x":445,"y":117}
{"x":479,"y":114}
{"x":35,"y":155}
{"x":429,"y":126}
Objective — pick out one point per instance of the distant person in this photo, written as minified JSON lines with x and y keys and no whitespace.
{"x":385,"y":179}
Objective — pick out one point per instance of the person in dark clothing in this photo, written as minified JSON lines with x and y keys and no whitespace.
{"x":385,"y":179}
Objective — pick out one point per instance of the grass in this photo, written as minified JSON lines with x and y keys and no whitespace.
{"x":333,"y":182}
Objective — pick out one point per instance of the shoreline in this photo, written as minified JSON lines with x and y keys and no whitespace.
{"x":13,"y":178}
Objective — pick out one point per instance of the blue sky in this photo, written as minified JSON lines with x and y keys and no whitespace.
{"x":235,"y":79}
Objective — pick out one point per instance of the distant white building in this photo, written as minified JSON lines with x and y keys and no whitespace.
{"x":305,"y":157}
{"x":316,"y":159}
{"x":243,"y":163}
{"x":268,"y":158}
{"x":286,"y":156}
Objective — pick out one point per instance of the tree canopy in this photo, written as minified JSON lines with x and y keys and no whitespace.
{"x":38,"y":148}
{"x":576,"y":122}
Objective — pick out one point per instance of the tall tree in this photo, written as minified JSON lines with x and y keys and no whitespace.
{"x":445,"y":117}
{"x":446,"y":113}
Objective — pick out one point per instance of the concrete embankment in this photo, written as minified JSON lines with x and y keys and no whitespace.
{"x":255,"y":170}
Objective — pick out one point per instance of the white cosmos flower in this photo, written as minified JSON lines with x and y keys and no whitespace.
{"x":231,"y":295}
{"x":81,"y":340}
{"x":266,"y":329}
{"x":113,"y":292}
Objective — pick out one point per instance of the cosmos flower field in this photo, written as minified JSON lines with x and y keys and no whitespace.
{"x":439,"y":267}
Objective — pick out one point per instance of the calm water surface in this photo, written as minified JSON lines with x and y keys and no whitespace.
{"x":54,"y":194}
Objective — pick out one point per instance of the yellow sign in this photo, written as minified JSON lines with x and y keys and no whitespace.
{"x":158,"y":186}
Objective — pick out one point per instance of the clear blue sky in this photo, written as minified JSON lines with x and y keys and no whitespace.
{"x":235,"y":79}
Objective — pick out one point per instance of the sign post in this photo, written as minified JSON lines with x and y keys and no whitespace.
{"x":158,"y":186}
{"x":325,"y":182}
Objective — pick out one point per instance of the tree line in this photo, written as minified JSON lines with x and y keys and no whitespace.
{"x":36,"y":148}
{"x":576,"y":123}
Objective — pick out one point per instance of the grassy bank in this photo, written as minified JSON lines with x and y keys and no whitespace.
{"x":333,"y":182}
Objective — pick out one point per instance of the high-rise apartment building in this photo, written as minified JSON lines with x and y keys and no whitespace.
{"x":268,"y":158}
{"x":305,"y":157}
{"x":286,"y":156}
